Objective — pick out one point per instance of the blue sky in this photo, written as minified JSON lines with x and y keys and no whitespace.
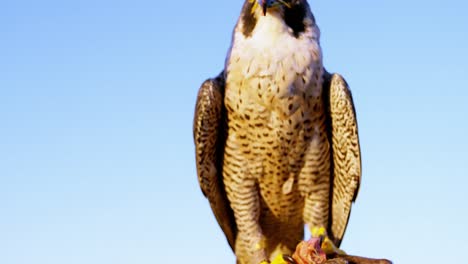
{"x":96,"y":150}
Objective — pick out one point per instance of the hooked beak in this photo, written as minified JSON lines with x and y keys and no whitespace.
{"x":264,"y":6}
{"x":270,"y":4}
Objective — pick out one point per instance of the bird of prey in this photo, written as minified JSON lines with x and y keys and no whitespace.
{"x":276,"y":137}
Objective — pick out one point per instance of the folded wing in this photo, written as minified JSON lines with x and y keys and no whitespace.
{"x":346,"y":156}
{"x":209,"y":135}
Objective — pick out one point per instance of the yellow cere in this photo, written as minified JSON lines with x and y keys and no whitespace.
{"x":255,"y":2}
{"x":255,"y":5}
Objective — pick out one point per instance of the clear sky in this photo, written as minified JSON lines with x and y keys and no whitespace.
{"x":96,"y":106}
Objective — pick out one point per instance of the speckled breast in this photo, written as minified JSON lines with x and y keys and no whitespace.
{"x":270,"y":132}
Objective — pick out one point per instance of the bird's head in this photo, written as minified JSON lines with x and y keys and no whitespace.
{"x":295,"y":14}
{"x":267,"y":5}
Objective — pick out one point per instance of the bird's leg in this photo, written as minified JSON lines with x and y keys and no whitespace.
{"x":316,"y":217}
{"x":327,"y":245}
{"x":281,"y":259}
{"x":315,"y":184}
{"x":250,"y":242}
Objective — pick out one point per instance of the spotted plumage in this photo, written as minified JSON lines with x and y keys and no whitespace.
{"x":276,"y":136}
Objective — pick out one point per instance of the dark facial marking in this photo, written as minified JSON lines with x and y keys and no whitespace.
{"x":294,"y":17}
{"x":248,"y":19}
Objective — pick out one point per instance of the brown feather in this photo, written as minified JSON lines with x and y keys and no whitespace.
{"x":209,"y":137}
{"x":346,"y":156}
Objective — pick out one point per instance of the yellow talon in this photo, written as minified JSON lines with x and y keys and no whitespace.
{"x":319,"y":232}
{"x":327,"y":245}
{"x":279,"y":260}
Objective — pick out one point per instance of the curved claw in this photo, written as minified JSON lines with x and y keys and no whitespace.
{"x":283,"y":259}
{"x":329,"y":247}
{"x":326,"y":244}
{"x":289,"y":259}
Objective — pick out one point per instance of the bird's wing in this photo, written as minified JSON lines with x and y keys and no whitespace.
{"x":209,"y":129}
{"x":346,"y":155}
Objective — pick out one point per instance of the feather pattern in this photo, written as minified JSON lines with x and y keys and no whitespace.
{"x":209,"y":136}
{"x":346,"y":156}
{"x":276,"y":136}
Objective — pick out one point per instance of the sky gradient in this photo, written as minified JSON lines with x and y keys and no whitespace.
{"x":96,"y":107}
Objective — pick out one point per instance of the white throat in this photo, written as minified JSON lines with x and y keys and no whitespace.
{"x":269,"y":31}
{"x":272,"y":44}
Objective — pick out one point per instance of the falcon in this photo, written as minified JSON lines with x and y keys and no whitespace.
{"x":276,"y":136}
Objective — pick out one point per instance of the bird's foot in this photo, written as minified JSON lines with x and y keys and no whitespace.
{"x":327,"y":245}
{"x":281,"y":259}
